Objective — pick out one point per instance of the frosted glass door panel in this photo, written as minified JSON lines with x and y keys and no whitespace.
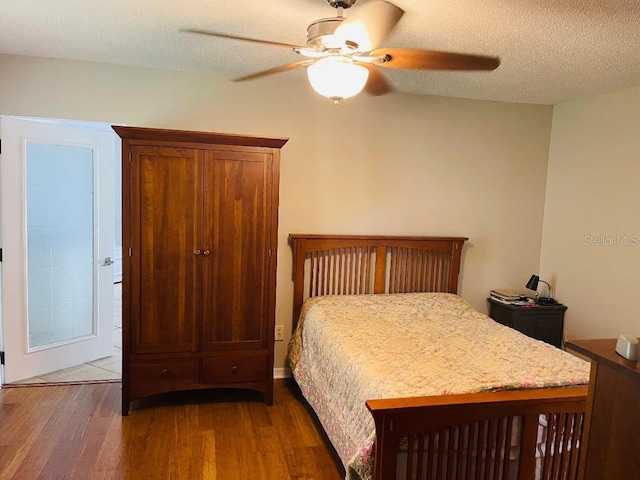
{"x":60,"y":243}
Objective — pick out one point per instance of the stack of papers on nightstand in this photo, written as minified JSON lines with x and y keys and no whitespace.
{"x":510,"y":297}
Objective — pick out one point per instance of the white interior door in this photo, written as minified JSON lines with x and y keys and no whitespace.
{"x":57,"y":231}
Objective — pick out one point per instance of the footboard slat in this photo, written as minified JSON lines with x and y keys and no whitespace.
{"x":452,"y":449}
{"x":420,"y":466}
{"x":562,"y":446}
{"x":463,"y":442}
{"x":551,"y":428}
{"x":566,"y":455}
{"x":574,"y":455}
{"x":480,"y":448}
{"x":501,"y":447}
{"x":410,"y":455}
{"x":472,"y":435}
{"x":469,"y":437}
{"x":430,"y":458}
{"x":440,"y":445}
{"x":509,"y":435}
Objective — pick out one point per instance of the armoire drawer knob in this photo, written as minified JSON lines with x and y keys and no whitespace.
{"x":234,"y":369}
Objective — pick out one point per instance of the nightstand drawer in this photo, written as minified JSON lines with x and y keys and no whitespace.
{"x":536,"y":325}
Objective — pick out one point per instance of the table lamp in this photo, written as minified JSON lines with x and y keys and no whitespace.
{"x":532,"y":284}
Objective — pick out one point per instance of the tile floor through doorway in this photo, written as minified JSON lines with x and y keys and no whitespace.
{"x":109,"y":368}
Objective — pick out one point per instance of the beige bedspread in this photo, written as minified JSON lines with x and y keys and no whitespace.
{"x":348,"y":349}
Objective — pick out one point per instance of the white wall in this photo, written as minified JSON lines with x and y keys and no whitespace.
{"x":399,"y":164}
{"x":591,"y":237}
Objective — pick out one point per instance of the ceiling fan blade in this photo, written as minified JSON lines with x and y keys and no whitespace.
{"x":235,"y":37}
{"x":271,"y":71}
{"x":376,"y":84}
{"x":414,"y":59}
{"x":370,"y":25}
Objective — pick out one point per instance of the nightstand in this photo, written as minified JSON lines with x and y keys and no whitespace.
{"x":542,"y":322}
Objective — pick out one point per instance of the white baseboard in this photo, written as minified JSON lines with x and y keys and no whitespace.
{"x":281,"y":373}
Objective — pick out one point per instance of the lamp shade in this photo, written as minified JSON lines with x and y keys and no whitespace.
{"x":532,"y":284}
{"x":337,"y":77}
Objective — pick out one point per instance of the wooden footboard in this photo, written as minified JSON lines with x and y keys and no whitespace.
{"x":491,"y":435}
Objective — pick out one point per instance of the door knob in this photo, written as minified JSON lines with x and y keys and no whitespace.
{"x":108,"y":261}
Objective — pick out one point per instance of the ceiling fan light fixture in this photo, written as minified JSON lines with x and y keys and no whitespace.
{"x":337,"y":77}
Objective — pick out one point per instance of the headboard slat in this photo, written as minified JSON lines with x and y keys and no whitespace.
{"x":338,"y":273}
{"x":418,"y":270}
{"x":367,"y":264}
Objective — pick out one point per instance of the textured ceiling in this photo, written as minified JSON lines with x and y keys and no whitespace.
{"x":551,"y":50}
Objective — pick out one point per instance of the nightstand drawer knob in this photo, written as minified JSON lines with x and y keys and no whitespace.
{"x":234,"y":369}
{"x":164,"y":372}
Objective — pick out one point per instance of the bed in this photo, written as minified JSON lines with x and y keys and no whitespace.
{"x":410,"y":382}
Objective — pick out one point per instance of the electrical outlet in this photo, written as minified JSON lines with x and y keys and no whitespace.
{"x":279,"y":333}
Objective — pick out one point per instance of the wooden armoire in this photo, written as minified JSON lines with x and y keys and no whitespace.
{"x":200,"y":224}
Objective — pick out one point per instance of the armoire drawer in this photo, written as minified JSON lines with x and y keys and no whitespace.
{"x":234,"y":368}
{"x":168,"y":371}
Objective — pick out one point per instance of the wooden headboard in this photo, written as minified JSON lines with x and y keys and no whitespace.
{"x":364,"y":264}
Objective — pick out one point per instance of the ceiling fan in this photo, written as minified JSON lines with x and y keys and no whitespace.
{"x":342,"y":55}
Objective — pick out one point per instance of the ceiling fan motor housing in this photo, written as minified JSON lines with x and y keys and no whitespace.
{"x":321,"y":31}
{"x":342,"y":3}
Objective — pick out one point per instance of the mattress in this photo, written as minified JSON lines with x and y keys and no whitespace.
{"x":349,"y":349}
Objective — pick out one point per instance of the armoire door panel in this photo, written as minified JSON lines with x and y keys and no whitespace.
{"x":237,"y":232}
{"x":165,"y":221}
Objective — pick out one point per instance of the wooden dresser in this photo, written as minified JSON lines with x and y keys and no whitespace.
{"x":613,"y":449}
{"x":200,"y":241}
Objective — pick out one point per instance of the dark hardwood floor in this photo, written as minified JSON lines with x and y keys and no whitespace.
{"x":77,"y":432}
